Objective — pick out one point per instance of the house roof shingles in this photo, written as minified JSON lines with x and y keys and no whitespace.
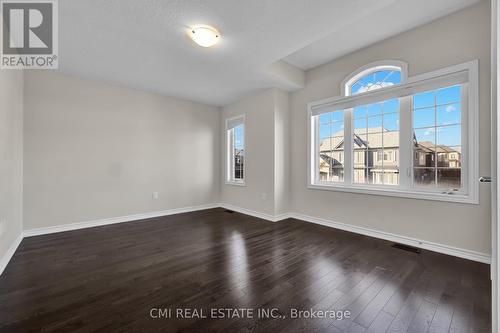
{"x":376,"y":138}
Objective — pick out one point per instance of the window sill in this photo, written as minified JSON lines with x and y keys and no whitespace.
{"x":236,"y":183}
{"x":458,"y":198}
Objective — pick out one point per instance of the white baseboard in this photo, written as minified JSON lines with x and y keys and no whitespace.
{"x":427,"y":245}
{"x":113,"y":220}
{"x":264,"y":216}
{"x":10,"y":252}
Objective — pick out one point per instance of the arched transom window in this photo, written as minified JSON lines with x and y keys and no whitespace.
{"x":375,"y":76}
{"x":376,"y":80}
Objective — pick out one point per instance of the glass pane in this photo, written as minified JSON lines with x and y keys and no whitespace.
{"x":338,"y":158}
{"x":337,"y":128}
{"x":449,"y":135}
{"x":337,"y":142}
{"x":425,"y":136}
{"x":437,"y":146}
{"x":334,"y":159}
{"x":375,"y":123}
{"x":441,"y":157}
{"x":325,"y":145}
{"x":449,"y":114}
{"x":239,"y":137}
{"x":376,"y":80}
{"x":448,"y":157}
{"x":357,"y":88}
{"x":454,"y":157}
{"x":324,"y":131}
{"x":424,"y":177}
{"x":238,"y":163}
{"x":360,"y":125}
{"x":324,"y":167}
{"x":375,"y":140}
{"x":424,"y":117}
{"x":424,"y":156}
{"x":360,"y":176}
{"x":325,"y":118}
{"x":336,"y":175}
{"x":375,"y":176}
{"x":391,"y":106}
{"x":391,"y":149}
{"x":449,"y":178}
{"x":238,"y":151}
{"x":375,"y":158}
{"x":448,"y":95}
{"x":391,"y":121}
{"x":374,"y":109}
{"x":376,"y":153}
{"x":331,"y":124}
{"x":360,"y":158}
{"x":424,"y":99}
{"x":338,"y":116}
{"x":360,"y":111}
{"x":331,"y":149}
{"x":360,"y":141}
{"x":391,"y":177}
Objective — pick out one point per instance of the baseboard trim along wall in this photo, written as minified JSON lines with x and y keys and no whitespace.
{"x":10,"y":253}
{"x":94,"y":223}
{"x":426,"y":245}
{"x":113,"y":220}
{"x":431,"y":246}
{"x":264,"y":216}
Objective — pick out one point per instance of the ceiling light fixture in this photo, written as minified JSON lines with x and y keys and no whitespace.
{"x":204,"y":36}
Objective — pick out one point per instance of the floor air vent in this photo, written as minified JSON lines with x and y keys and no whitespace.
{"x":406,"y":248}
{"x":228,"y":211}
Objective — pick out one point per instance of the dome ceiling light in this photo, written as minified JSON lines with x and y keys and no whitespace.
{"x":205,"y":36}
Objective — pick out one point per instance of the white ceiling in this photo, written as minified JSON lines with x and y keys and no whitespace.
{"x":399,"y":16}
{"x":144,"y":45}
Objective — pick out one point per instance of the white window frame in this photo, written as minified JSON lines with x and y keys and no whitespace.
{"x":423,"y":82}
{"x":231,"y":123}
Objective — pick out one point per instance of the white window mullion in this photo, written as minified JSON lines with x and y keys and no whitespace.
{"x":405,"y":143}
{"x":348,"y":147}
{"x":316,"y":150}
{"x":231,"y":155}
{"x":229,"y":158}
{"x":465,"y":178}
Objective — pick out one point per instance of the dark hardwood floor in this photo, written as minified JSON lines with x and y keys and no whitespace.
{"x":107,"y":279}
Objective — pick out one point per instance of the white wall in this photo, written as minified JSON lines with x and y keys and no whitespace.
{"x":267,"y":152}
{"x":282,"y":151}
{"x":457,"y":38}
{"x":258,"y":193}
{"x":96,"y":151}
{"x":11,"y":159}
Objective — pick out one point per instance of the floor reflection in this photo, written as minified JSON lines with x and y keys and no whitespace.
{"x":238,"y":265}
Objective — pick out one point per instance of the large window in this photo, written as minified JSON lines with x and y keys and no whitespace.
{"x":437,"y":145}
{"x":392,"y":135}
{"x":376,"y":143}
{"x":235,"y":154}
{"x":331,"y":148}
